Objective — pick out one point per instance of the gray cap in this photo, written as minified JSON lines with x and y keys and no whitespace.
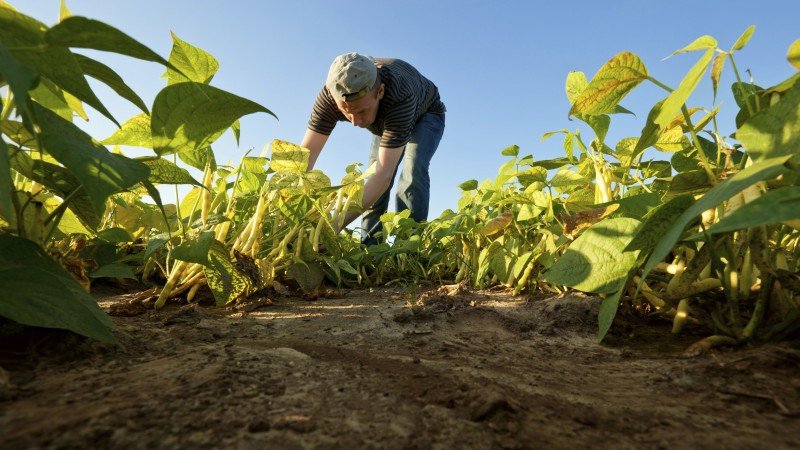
{"x":351,"y":76}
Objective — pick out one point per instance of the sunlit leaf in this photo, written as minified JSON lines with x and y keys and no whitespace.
{"x":774,"y":131}
{"x":163,"y":171}
{"x":773,"y":207}
{"x":673,"y":103}
{"x":194,"y":63}
{"x":716,"y":71}
{"x":288,"y":158}
{"x":793,"y":55}
{"x":596,"y":261}
{"x":192,"y":115}
{"x":612,"y":82}
{"x":702,"y":43}
{"x":743,"y":39}
{"x":135,"y":133}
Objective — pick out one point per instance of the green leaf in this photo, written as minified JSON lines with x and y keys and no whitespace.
{"x":773,"y":207}
{"x":702,"y":43}
{"x":115,"y":235}
{"x":17,"y":132}
{"x":744,"y":38}
{"x":226,"y":281}
{"x":673,"y":103}
{"x":80,"y":32}
{"x":288,"y":158}
{"x":512,"y":150}
{"x":106,"y":75}
{"x":37,"y":291}
{"x":196,"y":250}
{"x":25,"y":39}
{"x":20,"y":78}
{"x":193,"y":115}
{"x":135,"y":133}
{"x":52,"y":97}
{"x":59,"y":181}
{"x":6,"y":183}
{"x":114,"y":270}
{"x":195,"y":64}
{"x":198,"y":157}
{"x":101,"y":172}
{"x":469,"y":185}
{"x":774,"y":131}
{"x":637,"y":206}
{"x":599,"y":124}
{"x":163,"y":171}
{"x":596,"y":261}
{"x":308,"y":276}
{"x":612,"y":82}
{"x":722,"y":191}
{"x":793,"y":54}
{"x":576,"y":83}
{"x":658,"y":222}
{"x":716,"y":71}
{"x":236,"y":128}
{"x":608,"y":310}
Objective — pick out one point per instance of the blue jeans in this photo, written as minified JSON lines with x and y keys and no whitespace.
{"x":414,"y":186}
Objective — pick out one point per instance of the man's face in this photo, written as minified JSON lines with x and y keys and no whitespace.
{"x":362,"y":112}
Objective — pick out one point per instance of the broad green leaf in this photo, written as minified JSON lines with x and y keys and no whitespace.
{"x":255,"y":164}
{"x":637,"y":206}
{"x":774,"y":131}
{"x":163,"y":171}
{"x":691,"y":181}
{"x":672,"y":140}
{"x":702,"y":43}
{"x":100,"y":172}
{"x":576,"y":83}
{"x":599,"y":124}
{"x":532,"y":175}
{"x":115,"y":235}
{"x":612,"y":82}
{"x":773,"y":207}
{"x":198,"y":157}
{"x":743,"y":39}
{"x":52,"y":97}
{"x":512,"y":150}
{"x":80,"y":32}
{"x":189,"y":202}
{"x":75,"y":105}
{"x":25,"y":39}
{"x":193,"y":115}
{"x":596,"y":261}
{"x":608,"y":310}
{"x":308,"y":275}
{"x":20,"y":78}
{"x":6,"y":209}
{"x":226,"y":280}
{"x":107,"y":76}
{"x":760,"y":171}
{"x":793,"y":55}
{"x":135,"y":133}
{"x":195,"y":64}
{"x":59,"y":181}
{"x":658,"y":222}
{"x":37,"y":291}
{"x":716,"y":71}
{"x":469,"y":185}
{"x":195,"y":250}
{"x":288,"y":158}
{"x":114,"y":270}
{"x":18,"y":134}
{"x":566,"y":177}
{"x":673,"y":103}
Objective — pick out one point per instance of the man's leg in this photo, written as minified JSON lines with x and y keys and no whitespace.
{"x":414,"y":186}
{"x":371,"y":221}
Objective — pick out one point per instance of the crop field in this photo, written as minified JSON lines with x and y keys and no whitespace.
{"x":629,"y":294}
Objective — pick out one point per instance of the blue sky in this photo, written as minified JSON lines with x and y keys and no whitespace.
{"x":500,"y":65}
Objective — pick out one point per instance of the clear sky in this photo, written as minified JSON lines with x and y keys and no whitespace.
{"x":500,"y":65}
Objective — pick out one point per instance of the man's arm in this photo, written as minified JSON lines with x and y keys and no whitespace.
{"x":313,"y":141}
{"x":377,"y":184}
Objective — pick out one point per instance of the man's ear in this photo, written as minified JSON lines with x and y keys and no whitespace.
{"x":381,"y":91}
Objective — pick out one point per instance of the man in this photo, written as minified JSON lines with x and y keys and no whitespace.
{"x":402,"y":109}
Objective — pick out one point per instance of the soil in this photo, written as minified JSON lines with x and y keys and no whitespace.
{"x":393,"y":368}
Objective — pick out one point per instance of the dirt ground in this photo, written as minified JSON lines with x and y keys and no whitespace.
{"x":371,"y":369}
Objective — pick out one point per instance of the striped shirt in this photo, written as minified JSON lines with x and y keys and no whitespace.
{"x":407,"y":96}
